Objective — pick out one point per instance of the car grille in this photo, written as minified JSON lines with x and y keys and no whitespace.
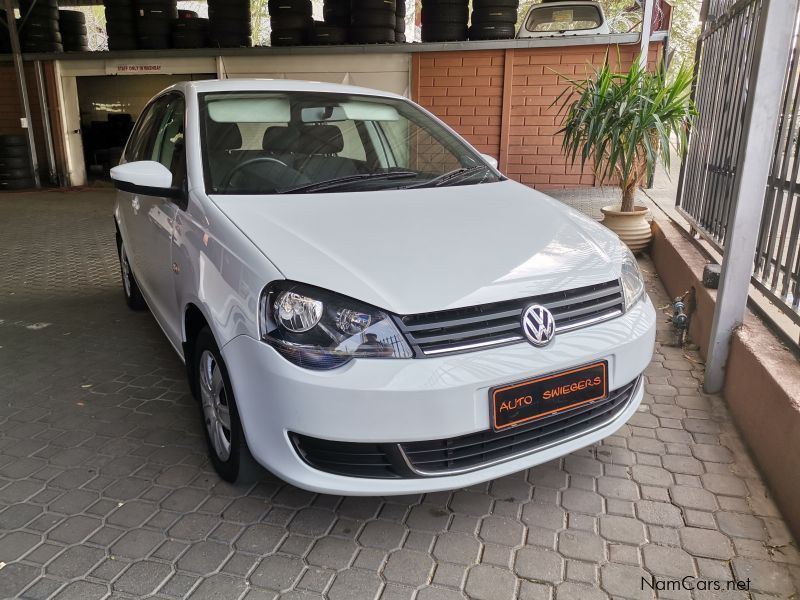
{"x":460,"y":454}
{"x":488,"y":325}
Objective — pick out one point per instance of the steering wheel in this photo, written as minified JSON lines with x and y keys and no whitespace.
{"x":226,"y":181}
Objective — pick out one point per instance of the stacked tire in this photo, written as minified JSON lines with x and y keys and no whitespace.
{"x":40,"y":32}
{"x":121,"y":24}
{"x":15,"y":166}
{"x":325,"y":33}
{"x":74,"y":35}
{"x":373,"y":21}
{"x":400,"y":21}
{"x":154,"y":19}
{"x":291,"y":22}
{"x":444,"y":20}
{"x":493,"y":19}
{"x":190,"y":32}
{"x":230,"y":25}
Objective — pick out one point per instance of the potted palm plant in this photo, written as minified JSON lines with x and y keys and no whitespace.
{"x":624,"y":123}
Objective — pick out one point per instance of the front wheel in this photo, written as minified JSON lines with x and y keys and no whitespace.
{"x":133,"y":295}
{"x":226,"y":443}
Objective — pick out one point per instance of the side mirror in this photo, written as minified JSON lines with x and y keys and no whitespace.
{"x":490,"y":159}
{"x":146,"y":177}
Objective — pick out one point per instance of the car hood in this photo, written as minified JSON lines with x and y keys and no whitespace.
{"x":428,"y":249}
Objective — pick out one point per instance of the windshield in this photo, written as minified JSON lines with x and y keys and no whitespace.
{"x":290,"y":142}
{"x":564,"y":18}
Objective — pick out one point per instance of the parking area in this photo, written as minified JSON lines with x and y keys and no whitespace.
{"x":106,"y":491}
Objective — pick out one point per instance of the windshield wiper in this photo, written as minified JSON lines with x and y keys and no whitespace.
{"x":449,"y":177}
{"x":340,"y":181}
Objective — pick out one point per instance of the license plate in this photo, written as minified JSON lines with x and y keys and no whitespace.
{"x":519,"y":403}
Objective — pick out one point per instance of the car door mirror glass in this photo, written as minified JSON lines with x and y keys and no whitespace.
{"x":144,"y":177}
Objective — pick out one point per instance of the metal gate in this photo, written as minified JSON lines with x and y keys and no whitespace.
{"x":726,"y":53}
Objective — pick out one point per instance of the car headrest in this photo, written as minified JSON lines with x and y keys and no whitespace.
{"x":280,"y":139}
{"x":223,"y":136}
{"x":321,"y":139}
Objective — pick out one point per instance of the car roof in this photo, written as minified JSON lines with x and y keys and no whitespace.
{"x":275,"y":85}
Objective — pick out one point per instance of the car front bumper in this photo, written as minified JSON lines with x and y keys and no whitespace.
{"x":397,"y":400}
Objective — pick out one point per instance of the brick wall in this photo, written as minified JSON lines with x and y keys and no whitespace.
{"x":500,"y":100}
{"x":465,"y":90}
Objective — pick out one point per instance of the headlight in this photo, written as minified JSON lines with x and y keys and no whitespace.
{"x":632,"y":283}
{"x":317,"y":329}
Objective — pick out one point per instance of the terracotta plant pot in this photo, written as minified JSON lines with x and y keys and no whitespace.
{"x":631,"y":227}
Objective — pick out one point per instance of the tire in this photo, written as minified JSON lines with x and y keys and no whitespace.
{"x":187,"y":14}
{"x":198,"y":25}
{"x":122,"y":43}
{"x":75,"y":17}
{"x":372,"y":35}
{"x":73,"y":30}
{"x":40,"y":11}
{"x":193,"y":39}
{"x":37,"y":36}
{"x":13,"y":152}
{"x":229,"y":13}
{"x":72,"y":42}
{"x":277,"y":7}
{"x":133,"y":295}
{"x":288,"y":37}
{"x":40,"y":25}
{"x":43,"y":48}
{"x":156,"y":12}
{"x":383,"y":19}
{"x":24,"y":5}
{"x":499,"y":14}
{"x":337,"y":13}
{"x":17,"y":184}
{"x":359,"y":5}
{"x":230,"y":27}
{"x":322,"y":33}
{"x":121,"y":13}
{"x":154,"y":42}
{"x":121,"y":28}
{"x":14,"y":163}
{"x":400,"y":8}
{"x":488,"y":4}
{"x":153,"y":27}
{"x":227,"y":445}
{"x":447,"y":13}
{"x":444,"y":32}
{"x":13,"y":139}
{"x":227,"y":40}
{"x":400,"y":38}
{"x":6,"y":174}
{"x":498,"y":31}
{"x":290,"y":21}
{"x":400,"y":25}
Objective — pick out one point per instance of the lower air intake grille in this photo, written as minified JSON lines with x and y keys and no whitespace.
{"x":487,"y":325}
{"x":460,"y":454}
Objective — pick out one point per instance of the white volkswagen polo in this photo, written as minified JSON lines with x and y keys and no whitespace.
{"x":364,"y":304}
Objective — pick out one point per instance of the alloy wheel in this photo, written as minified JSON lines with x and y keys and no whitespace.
{"x":216,"y":411}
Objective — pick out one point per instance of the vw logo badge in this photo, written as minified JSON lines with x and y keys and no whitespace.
{"x":538,"y":325}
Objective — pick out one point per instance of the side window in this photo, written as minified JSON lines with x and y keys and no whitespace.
{"x":139,"y":144}
{"x":168,"y":144}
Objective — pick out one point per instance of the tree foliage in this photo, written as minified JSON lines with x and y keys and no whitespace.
{"x":624,"y":122}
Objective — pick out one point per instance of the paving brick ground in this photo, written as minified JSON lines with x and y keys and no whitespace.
{"x":105,"y":490}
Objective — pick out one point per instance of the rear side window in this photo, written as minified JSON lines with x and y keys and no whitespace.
{"x":563,"y":18}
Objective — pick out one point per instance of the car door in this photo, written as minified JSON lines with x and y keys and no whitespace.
{"x":151,"y":219}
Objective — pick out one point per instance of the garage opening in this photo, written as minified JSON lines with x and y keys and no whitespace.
{"x":109,"y":106}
